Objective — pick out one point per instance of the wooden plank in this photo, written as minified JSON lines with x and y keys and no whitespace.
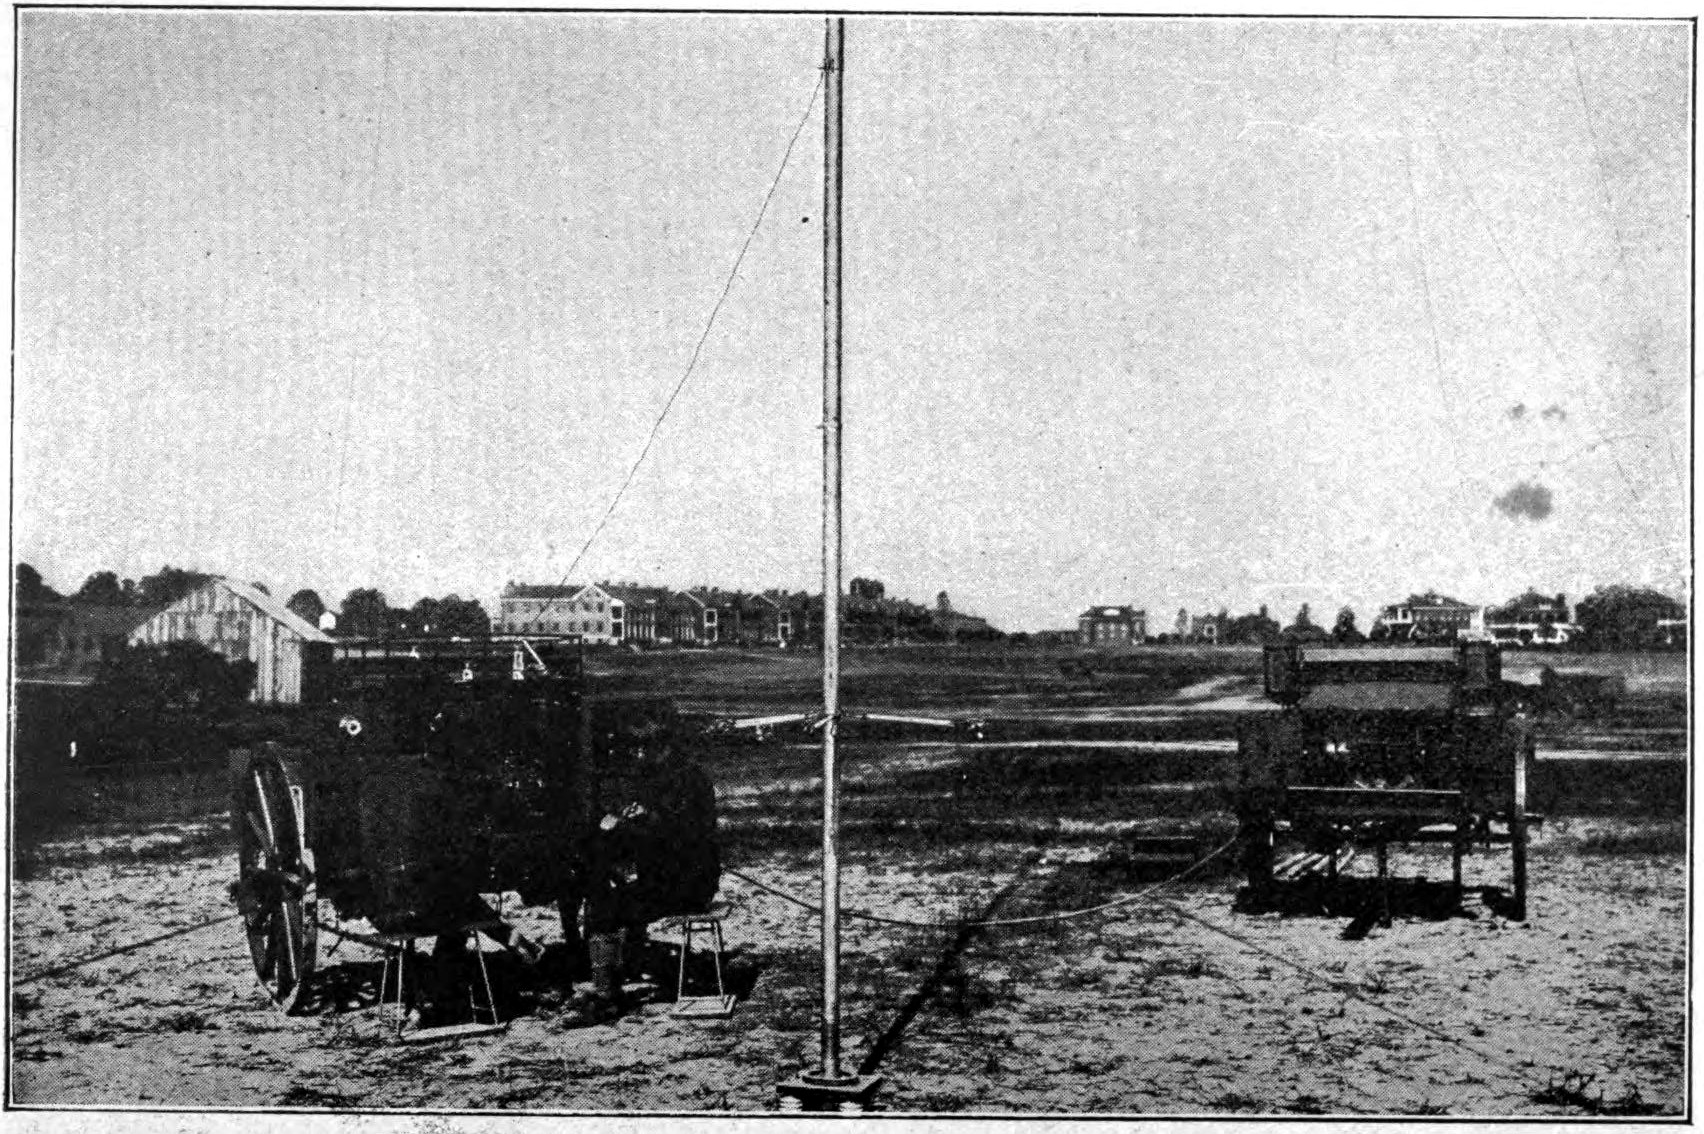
{"x":1374,"y":803}
{"x":451,"y":1032}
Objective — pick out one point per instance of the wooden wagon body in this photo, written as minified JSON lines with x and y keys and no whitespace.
{"x":437,"y":773}
{"x":1374,"y":745}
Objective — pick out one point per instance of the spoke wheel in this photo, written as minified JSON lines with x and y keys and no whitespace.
{"x":275,"y":884}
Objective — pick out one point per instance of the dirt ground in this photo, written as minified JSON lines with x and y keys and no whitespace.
{"x":1179,"y":1002}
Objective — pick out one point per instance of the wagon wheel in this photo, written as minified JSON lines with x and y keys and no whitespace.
{"x":275,"y":884}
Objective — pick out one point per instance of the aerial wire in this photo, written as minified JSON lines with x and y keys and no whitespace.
{"x":1439,"y":372}
{"x":361,"y":287}
{"x":692,"y":361}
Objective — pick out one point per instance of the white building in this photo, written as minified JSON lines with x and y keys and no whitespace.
{"x":292,"y":657}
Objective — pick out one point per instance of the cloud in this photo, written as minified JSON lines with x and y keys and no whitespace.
{"x":1525,"y":499}
{"x":1517,"y":411}
{"x":1554,"y":412}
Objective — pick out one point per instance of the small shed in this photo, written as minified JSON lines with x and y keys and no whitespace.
{"x":292,"y":657}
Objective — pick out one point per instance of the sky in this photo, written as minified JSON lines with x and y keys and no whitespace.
{"x":1176,"y":312}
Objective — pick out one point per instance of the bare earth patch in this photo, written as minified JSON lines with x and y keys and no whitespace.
{"x":1178,"y":1004}
{"x":1141,"y":1011}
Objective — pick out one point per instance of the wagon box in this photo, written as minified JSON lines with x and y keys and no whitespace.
{"x":437,"y":773}
{"x":1373,"y":745}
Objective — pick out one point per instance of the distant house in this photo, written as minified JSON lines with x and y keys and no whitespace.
{"x":1207,"y":629}
{"x":693,"y":618}
{"x":292,"y":656}
{"x":66,"y":642}
{"x":637,"y":614}
{"x":1427,"y":618}
{"x":747,"y":619}
{"x":1532,"y":620}
{"x":582,"y":612}
{"x":797,"y":617}
{"x":954,"y":625}
{"x":1112,"y":625}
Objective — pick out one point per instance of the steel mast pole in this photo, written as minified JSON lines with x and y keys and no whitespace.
{"x":830,"y":1086}
{"x":834,"y":48}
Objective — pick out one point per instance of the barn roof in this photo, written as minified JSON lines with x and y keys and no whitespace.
{"x":274,"y":609}
{"x":543,"y":590}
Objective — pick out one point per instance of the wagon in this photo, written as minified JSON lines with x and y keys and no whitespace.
{"x":1374,"y":745}
{"x":437,"y":772}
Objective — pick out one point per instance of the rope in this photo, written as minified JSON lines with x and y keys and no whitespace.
{"x":361,"y":290}
{"x":697,"y":350}
{"x":1130,"y":899}
{"x":69,"y":966}
{"x":1351,"y":993}
{"x":1040,"y":919}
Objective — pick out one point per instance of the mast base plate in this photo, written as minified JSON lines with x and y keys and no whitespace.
{"x":814,"y":1093}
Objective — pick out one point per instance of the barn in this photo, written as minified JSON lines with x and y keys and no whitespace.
{"x":291,"y":656}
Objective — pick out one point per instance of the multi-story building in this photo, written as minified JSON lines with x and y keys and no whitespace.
{"x":692,"y":619}
{"x":1207,"y":629}
{"x":1427,"y":618}
{"x":1532,"y":620}
{"x":583,"y":612}
{"x":1112,"y":625}
{"x":637,"y":614}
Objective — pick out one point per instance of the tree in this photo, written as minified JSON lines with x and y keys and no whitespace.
{"x":1619,"y":617}
{"x":100,"y":589}
{"x":164,"y":702}
{"x":29,"y":588}
{"x":462,"y":618}
{"x":169,"y":584}
{"x":1303,"y":629}
{"x":307,"y":605}
{"x":1344,"y":630}
{"x":869,"y":590}
{"x":451,"y":616}
{"x":366,"y":614}
{"x":1252,"y":629}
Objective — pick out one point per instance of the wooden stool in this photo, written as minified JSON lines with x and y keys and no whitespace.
{"x":702,"y":1007}
{"x":398,"y":947}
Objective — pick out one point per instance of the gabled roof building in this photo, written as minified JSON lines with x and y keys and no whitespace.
{"x":292,"y":656}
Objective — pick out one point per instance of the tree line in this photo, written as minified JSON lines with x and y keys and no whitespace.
{"x":1613,"y":617}
{"x":365,"y":612}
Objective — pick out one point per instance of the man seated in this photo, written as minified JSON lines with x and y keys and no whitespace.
{"x":654,"y":855}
